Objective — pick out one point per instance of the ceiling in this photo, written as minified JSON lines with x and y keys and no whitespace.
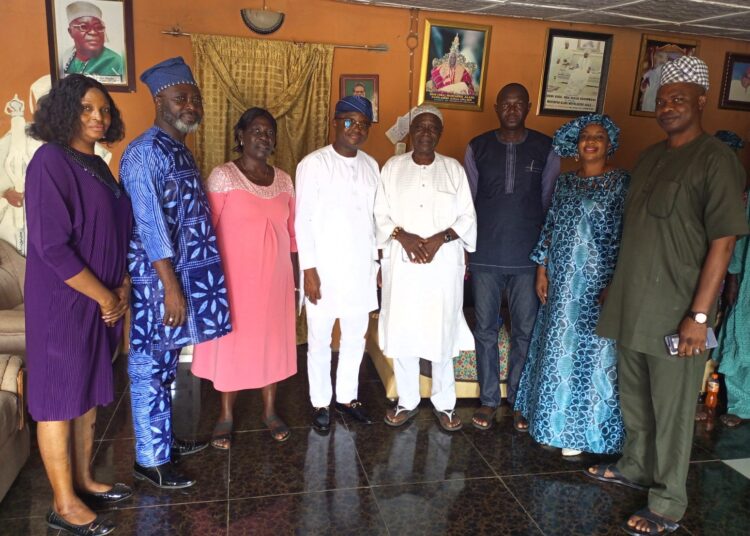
{"x":718,"y":18}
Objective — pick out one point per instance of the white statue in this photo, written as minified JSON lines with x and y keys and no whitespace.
{"x":16,"y":150}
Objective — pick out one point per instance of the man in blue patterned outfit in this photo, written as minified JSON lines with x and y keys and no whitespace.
{"x":179,"y":296}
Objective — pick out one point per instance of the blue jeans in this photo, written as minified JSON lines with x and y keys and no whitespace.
{"x":488,"y":288}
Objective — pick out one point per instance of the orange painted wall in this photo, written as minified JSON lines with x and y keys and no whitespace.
{"x":517,"y":50}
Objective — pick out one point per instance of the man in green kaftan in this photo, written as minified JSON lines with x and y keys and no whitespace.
{"x":682,"y":216}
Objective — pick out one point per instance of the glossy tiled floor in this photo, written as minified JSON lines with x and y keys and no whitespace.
{"x":363,"y":480}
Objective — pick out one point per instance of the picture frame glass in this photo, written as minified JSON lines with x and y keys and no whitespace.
{"x":655,"y":52}
{"x":575,"y":73}
{"x":454,"y":62}
{"x":93,"y":38}
{"x":364,"y":85}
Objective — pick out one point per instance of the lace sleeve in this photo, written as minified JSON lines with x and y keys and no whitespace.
{"x":222,"y":179}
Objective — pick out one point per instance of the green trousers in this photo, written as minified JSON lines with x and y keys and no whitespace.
{"x":657,"y":396}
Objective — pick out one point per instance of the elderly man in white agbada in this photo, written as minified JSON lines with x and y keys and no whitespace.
{"x":425,"y":223}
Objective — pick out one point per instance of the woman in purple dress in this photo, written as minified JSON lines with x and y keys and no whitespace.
{"x":76,"y":292}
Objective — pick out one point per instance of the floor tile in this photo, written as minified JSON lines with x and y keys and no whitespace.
{"x":514,"y":453}
{"x":30,"y":495}
{"x":372,"y":479}
{"x":571,"y":503}
{"x":418,"y":452}
{"x":461,"y":507}
{"x":741,"y":466}
{"x":724,"y":443}
{"x":328,"y":512}
{"x":28,"y":526}
{"x":210,"y":467}
{"x":197,"y":519}
{"x":306,"y":462}
{"x":718,"y":500}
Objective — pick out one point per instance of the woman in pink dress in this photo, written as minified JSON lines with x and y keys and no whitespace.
{"x":252,"y":207}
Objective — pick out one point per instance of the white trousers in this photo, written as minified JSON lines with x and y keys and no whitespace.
{"x":351,"y":348}
{"x":407,"y":383}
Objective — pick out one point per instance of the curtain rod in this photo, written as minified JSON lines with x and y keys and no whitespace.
{"x":176,"y":32}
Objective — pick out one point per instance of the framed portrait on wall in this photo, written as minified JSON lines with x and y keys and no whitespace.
{"x":364,"y":85}
{"x":735,"y":82}
{"x":575,"y":73}
{"x":454,"y":65}
{"x":655,"y":52}
{"x":93,"y":38}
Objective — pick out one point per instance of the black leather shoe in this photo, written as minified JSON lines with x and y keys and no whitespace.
{"x":182,"y":447}
{"x":355,"y":410}
{"x":162,"y":476}
{"x":98,"y":527}
{"x":321,"y":420}
{"x":118,"y":492}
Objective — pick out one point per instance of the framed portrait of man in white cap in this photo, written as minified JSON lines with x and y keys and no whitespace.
{"x":93,"y":38}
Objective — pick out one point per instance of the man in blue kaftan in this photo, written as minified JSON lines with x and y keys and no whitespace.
{"x":178,"y":294}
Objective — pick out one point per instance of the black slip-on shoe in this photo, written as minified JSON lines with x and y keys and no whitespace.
{"x":162,"y":476}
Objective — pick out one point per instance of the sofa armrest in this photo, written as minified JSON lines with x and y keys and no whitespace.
{"x":12,"y":375}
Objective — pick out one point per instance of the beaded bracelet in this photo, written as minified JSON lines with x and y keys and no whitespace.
{"x":395,"y":232}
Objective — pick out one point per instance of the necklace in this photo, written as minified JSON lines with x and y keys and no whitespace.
{"x":95,"y":166}
{"x":265,"y":179}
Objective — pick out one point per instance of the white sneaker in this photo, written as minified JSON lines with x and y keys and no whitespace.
{"x":571,"y":452}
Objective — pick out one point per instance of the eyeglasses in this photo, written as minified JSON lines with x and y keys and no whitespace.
{"x":85,"y":28}
{"x":349,"y":123}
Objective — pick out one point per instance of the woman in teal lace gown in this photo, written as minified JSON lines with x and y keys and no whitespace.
{"x":568,"y":390}
{"x":733,"y":352}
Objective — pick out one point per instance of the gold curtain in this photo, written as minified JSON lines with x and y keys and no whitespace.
{"x":290,"y":80}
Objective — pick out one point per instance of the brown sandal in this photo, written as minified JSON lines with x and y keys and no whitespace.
{"x":448,"y":420}
{"x":221,"y":438}
{"x":399,"y":416}
{"x":484,"y":414}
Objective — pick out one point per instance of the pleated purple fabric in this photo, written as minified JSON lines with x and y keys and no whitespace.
{"x":74,"y":221}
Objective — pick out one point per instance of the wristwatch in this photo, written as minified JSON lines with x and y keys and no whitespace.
{"x":700,"y":318}
{"x":447,"y":237}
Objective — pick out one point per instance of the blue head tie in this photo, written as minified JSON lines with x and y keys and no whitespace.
{"x":565,"y":140}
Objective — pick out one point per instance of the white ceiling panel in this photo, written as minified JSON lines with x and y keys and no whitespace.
{"x":721,"y":18}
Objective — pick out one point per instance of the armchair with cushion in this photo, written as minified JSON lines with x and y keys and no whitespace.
{"x":12,"y":324}
{"x":14,"y":428}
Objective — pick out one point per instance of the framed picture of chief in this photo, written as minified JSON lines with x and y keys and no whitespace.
{"x":93,"y":38}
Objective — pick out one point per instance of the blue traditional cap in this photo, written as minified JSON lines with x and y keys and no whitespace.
{"x":565,"y":140}
{"x":355,"y":103}
{"x":685,"y":69}
{"x":730,"y":138}
{"x":167,"y":73}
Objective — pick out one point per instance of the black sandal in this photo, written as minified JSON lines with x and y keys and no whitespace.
{"x":518,"y":420}
{"x":279,"y":429}
{"x":654,"y":522}
{"x":221,"y":438}
{"x":617,"y":478}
